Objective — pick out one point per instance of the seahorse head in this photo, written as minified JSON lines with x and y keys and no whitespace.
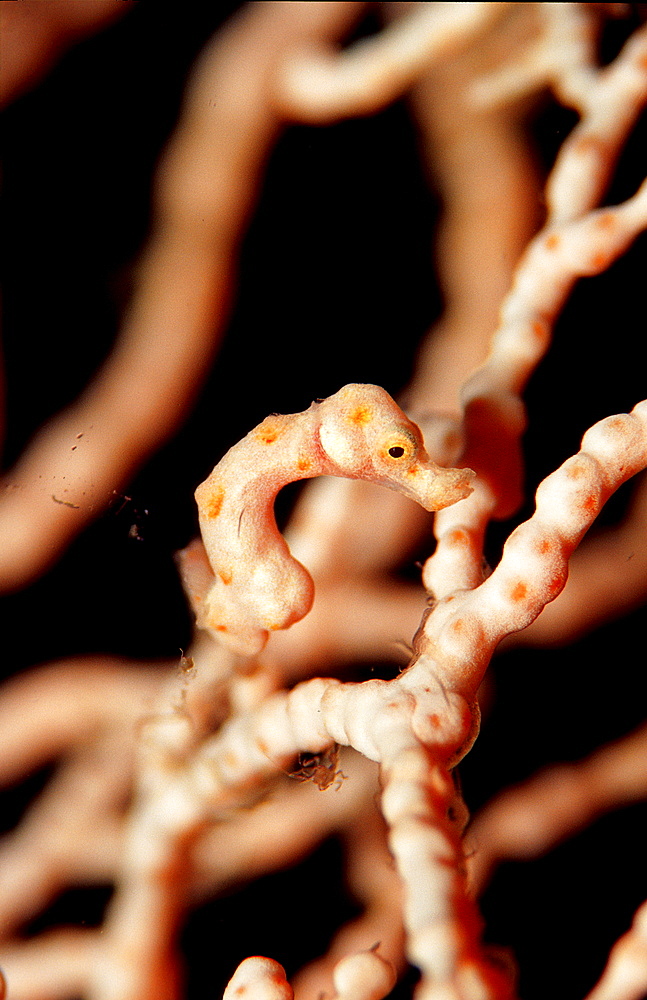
{"x":365,"y":434}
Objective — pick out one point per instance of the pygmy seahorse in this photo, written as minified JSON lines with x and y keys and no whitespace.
{"x":243,"y":582}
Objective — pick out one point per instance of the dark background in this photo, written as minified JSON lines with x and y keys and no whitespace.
{"x":337,"y":266}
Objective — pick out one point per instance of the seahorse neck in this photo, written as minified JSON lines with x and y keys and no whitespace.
{"x":263,"y":469}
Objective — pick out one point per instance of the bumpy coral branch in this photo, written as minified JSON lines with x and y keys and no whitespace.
{"x":259,"y":979}
{"x":442,"y":923}
{"x":364,"y":976}
{"x":609,"y":102}
{"x":607,"y":577}
{"x":494,"y":412}
{"x":571,"y":244}
{"x":534,"y":565}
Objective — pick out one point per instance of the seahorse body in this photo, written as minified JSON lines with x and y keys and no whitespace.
{"x":243,"y":582}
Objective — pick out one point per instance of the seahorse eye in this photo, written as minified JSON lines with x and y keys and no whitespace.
{"x":397,"y":443}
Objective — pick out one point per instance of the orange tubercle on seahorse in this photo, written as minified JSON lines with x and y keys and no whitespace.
{"x":270,"y":429}
{"x":209,"y":498}
{"x":361,"y":415}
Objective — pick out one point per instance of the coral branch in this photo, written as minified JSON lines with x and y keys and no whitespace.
{"x":206,"y":186}
{"x":323,"y":86}
{"x":259,"y":979}
{"x":527,"y":820}
{"x":625,"y":977}
{"x":467,"y":626}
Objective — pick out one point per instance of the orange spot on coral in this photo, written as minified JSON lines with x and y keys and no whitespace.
{"x":458,"y":625}
{"x":231,"y":759}
{"x":589,"y":144}
{"x":552,"y":242}
{"x":606,"y":220}
{"x":592,"y":144}
{"x":221,"y":628}
{"x":589,"y":504}
{"x":600,"y":260}
{"x":540,"y":328}
{"x":435,"y":721}
{"x":273,"y":626}
{"x":544,"y":546}
{"x":225,"y":576}
{"x":519,"y":591}
{"x":575,"y":471}
{"x":458,"y":537}
{"x":304,"y":464}
{"x":361,"y":415}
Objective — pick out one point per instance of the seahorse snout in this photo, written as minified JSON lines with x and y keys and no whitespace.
{"x":434,"y":487}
